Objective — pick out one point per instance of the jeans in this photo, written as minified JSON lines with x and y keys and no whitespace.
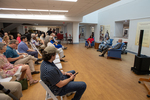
{"x":72,"y":86}
{"x":33,"y":53}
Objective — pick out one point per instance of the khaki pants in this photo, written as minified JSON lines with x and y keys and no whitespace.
{"x":14,"y":87}
{"x":27,"y":60}
{"x":61,"y":52}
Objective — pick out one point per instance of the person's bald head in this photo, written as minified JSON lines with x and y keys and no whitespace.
{"x":120,"y":40}
{"x":52,"y":34}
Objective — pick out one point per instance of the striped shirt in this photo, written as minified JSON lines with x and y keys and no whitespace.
{"x":51,"y":75}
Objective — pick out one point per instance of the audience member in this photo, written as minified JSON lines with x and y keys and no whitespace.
{"x":49,"y":31}
{"x":1,"y":38}
{"x":90,"y":40}
{"x":23,"y":48}
{"x":117,"y":46}
{"x":11,"y":37}
{"x":55,"y":42}
{"x":103,"y":44}
{"x":6,"y":39}
{"x":42,"y":37}
{"x":5,"y":34}
{"x":8,"y":70}
{"x":15,"y":89}
{"x":18,"y":37}
{"x":2,"y":31}
{"x":59,"y":82}
{"x":60,"y":50}
{"x":14,"y":58}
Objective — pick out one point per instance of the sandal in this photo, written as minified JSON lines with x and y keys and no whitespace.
{"x":34,"y":82}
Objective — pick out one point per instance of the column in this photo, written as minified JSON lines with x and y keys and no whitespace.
{"x":75,"y":32}
{"x":87,"y":31}
{"x":97,"y":32}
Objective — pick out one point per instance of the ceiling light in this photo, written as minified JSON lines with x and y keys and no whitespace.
{"x":12,"y":9}
{"x":36,"y":10}
{"x":35,"y":17}
{"x":58,"y":10}
{"x":68,"y":0}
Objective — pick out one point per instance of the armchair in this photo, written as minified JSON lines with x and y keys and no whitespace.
{"x":111,"y":40}
{"x":92,"y":44}
{"x":115,"y":53}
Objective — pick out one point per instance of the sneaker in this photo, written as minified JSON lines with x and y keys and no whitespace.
{"x":62,"y":60}
{"x":39,"y":59}
{"x":64,"y":48}
{"x":37,"y":63}
{"x":35,"y":72}
{"x":101,"y":55}
{"x":64,"y":56}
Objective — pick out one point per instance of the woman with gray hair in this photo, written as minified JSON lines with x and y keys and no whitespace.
{"x":8,"y":70}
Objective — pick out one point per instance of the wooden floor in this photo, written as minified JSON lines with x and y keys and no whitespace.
{"x":106,"y":79}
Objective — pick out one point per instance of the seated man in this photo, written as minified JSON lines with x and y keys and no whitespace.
{"x":59,"y":82}
{"x":102,"y":45}
{"x":60,"y":50}
{"x":54,"y":41}
{"x":117,"y":46}
{"x":23,"y":48}
{"x":15,"y":89}
{"x":14,"y":58}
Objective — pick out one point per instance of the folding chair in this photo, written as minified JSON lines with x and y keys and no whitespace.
{"x":5,"y":79}
{"x":49,"y":93}
{"x":34,"y":47}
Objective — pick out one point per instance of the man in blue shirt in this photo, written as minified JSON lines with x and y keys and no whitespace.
{"x":23,"y":48}
{"x":117,"y":46}
{"x":59,"y":82}
{"x":14,"y":58}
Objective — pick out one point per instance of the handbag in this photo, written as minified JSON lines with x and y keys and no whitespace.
{"x":24,"y":83}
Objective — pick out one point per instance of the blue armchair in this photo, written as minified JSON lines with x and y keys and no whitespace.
{"x":115,"y":53}
{"x":111,"y":40}
{"x":110,"y":44}
{"x":92,"y":44}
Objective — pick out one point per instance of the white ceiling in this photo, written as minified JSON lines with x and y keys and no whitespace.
{"x":76,"y":9}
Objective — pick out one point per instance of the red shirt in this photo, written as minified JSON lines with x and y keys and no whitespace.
{"x":90,"y":39}
{"x":18,"y":38}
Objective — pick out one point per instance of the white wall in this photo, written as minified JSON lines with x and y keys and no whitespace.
{"x":90,"y":18}
{"x":42,"y":28}
{"x":135,"y":11}
{"x":21,"y":29}
{"x":69,"y":28}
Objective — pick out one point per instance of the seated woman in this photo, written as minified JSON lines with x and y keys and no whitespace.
{"x":90,"y":40}
{"x":8,"y":70}
{"x":6,"y":39}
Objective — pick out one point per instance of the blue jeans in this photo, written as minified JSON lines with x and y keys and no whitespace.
{"x":33,"y":53}
{"x":72,"y":86}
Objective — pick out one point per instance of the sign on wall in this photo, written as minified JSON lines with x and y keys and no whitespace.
{"x":146,"y":37}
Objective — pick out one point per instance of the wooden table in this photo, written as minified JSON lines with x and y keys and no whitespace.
{"x":97,"y":45}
